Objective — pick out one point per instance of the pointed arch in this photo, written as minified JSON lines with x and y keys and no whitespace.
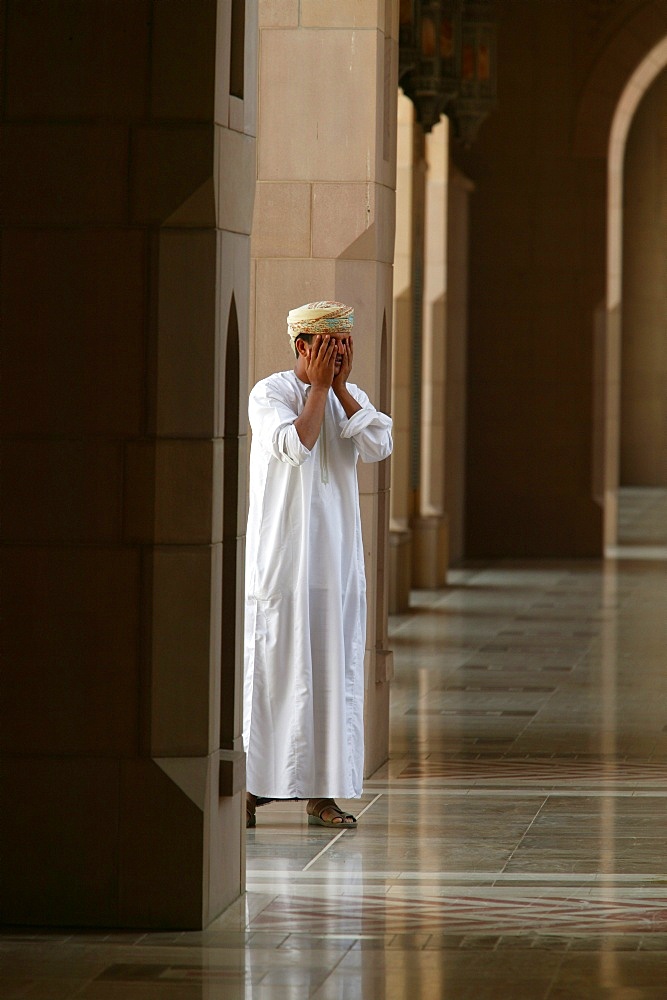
{"x":230,"y":640}
{"x":621,"y":76}
{"x":640,"y":81}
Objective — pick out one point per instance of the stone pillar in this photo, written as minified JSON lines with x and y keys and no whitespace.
{"x":324,"y":220}
{"x":125,"y":297}
{"x":606,"y":424}
{"x":429,"y":526}
{"x":400,"y":535}
{"x":459,"y":191}
{"x":537,"y":269}
{"x":426,"y":541}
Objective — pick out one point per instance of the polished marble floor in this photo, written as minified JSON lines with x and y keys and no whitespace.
{"x":514,"y":845}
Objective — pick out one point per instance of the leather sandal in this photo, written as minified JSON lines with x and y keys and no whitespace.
{"x":340,"y":820}
{"x":250,"y":806}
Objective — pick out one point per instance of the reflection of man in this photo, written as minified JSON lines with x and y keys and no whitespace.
{"x":305,"y":585}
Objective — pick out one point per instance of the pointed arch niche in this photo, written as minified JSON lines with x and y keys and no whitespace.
{"x":608,"y":105}
{"x":377,"y":706}
{"x":230,"y":689}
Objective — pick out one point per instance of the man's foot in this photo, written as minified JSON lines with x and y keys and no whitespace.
{"x":325,"y":812}
{"x":250,"y":806}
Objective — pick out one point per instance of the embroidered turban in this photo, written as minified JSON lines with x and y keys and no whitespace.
{"x":319,"y":317}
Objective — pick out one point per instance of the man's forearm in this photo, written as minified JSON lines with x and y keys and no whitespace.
{"x":347,"y":401}
{"x":309,"y":422}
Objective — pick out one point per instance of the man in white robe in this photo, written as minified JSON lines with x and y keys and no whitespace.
{"x":305,"y":585}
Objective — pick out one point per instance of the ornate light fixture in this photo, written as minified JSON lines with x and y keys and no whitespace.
{"x":447,"y":62}
{"x":477,"y":93}
{"x":430,"y":55}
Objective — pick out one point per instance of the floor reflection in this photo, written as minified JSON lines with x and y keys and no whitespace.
{"x":513,"y":845}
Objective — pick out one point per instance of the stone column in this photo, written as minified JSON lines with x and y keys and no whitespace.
{"x":459,"y":192}
{"x":125,"y":298}
{"x":429,"y":526}
{"x":400,"y":536}
{"x":428,"y":523}
{"x":537,"y":269}
{"x":324,"y":222}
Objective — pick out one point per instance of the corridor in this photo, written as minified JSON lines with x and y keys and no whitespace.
{"x":514,"y":846}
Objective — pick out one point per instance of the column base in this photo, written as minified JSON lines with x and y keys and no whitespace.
{"x":400,"y":571}
{"x":430,"y":552}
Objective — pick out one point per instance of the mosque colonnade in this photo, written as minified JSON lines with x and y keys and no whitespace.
{"x":172,"y":188}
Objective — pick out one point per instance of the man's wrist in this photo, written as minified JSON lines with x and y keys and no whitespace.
{"x":347,"y":401}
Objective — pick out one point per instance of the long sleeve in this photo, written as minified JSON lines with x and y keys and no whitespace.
{"x":369,"y":429}
{"x":272,"y":417}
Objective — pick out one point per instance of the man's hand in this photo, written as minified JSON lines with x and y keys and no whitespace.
{"x":345,"y":398}
{"x":319,"y":370}
{"x":320,"y":366}
{"x":346,"y":366}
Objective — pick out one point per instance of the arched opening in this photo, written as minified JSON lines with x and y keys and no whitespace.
{"x":643,"y":376}
{"x":609,"y":360}
{"x":230,"y":639}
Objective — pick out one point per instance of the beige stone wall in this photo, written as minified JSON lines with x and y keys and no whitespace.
{"x":324,"y":224}
{"x":644,"y":317}
{"x":125,"y":284}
